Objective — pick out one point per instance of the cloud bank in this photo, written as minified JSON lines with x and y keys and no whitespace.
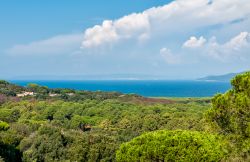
{"x":179,"y":15}
{"x":235,"y":48}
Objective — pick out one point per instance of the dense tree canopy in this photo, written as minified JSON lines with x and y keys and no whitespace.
{"x":90,"y":128}
{"x":172,"y":146}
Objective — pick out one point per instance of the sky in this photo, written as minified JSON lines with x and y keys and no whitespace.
{"x":180,"y":39}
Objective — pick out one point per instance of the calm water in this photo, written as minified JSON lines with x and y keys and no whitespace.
{"x":145,"y":88}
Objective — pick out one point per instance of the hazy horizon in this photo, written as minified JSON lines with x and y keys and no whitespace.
{"x":101,"y":77}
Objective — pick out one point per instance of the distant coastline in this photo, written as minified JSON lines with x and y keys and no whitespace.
{"x":219,"y":78}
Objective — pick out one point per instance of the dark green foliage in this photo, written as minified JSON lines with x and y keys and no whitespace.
{"x":3,"y":82}
{"x":48,"y":145}
{"x":9,"y":89}
{"x":9,"y":141}
{"x":52,"y":144}
{"x":112,"y":123}
{"x":172,"y":146}
{"x":8,"y":92}
{"x":231,"y":113}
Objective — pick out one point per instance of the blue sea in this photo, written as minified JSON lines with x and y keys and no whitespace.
{"x":148,"y":88}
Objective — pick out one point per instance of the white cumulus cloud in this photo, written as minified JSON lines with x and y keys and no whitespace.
{"x":194,"y":42}
{"x":100,"y":34}
{"x":134,"y":25}
{"x":235,"y":48}
{"x":179,"y":15}
{"x":238,"y":42}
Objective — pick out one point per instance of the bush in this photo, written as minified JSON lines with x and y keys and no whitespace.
{"x":9,"y":146}
{"x":47,"y":145}
{"x":173,"y":146}
{"x":4,"y":126}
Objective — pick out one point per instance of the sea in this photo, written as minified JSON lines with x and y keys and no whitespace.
{"x":147,"y":88}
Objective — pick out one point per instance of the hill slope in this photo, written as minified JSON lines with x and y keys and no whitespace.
{"x":221,"y":78}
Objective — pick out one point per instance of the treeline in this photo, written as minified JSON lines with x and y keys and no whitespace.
{"x":43,"y":93}
{"x":99,"y":126}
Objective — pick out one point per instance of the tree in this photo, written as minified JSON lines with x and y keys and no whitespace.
{"x":231,"y":114}
{"x":48,"y":145}
{"x":8,"y":146}
{"x":33,"y":86}
{"x":173,"y":146}
{"x":231,"y":111}
{"x":4,"y":82}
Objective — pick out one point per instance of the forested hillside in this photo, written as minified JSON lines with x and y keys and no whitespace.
{"x":42,"y":124}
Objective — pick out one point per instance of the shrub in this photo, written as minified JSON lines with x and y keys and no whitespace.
{"x":4,"y":126}
{"x":173,"y":146}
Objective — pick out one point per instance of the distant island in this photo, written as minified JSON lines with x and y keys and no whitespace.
{"x":220,"y":78}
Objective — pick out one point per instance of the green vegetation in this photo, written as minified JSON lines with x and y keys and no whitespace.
{"x":4,"y":126}
{"x":173,"y":146}
{"x":43,"y":126}
{"x":231,"y":114}
{"x":70,"y":125}
{"x":231,"y":110}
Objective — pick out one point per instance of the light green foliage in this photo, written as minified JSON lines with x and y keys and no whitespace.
{"x":172,"y":146}
{"x":9,"y":115}
{"x":4,"y":126}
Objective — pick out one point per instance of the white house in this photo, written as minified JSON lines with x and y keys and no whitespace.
{"x":26,"y":94}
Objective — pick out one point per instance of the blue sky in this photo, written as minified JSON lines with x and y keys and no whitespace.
{"x":182,"y":39}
